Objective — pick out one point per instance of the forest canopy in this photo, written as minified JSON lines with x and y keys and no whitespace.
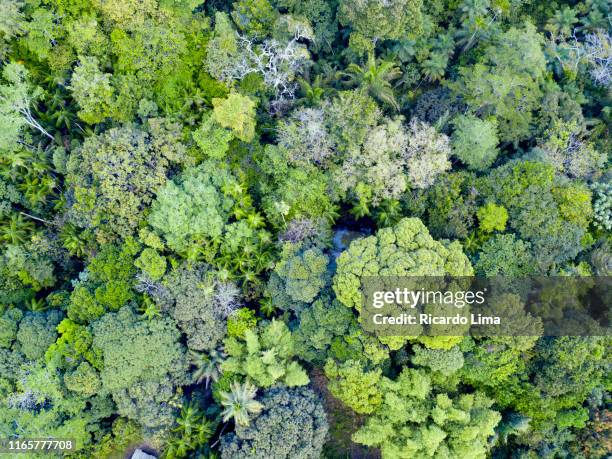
{"x":192,"y":192}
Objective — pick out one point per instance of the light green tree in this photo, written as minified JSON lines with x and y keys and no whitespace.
{"x":236,"y":112}
{"x":239,"y":403}
{"x":265,"y":355}
{"x":354,"y":386}
{"x":417,"y":421}
{"x":505,"y":82}
{"x":474,"y":141}
{"x":492,"y":217}
{"x":17,"y":98}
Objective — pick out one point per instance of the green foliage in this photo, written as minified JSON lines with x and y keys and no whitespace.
{"x":492,"y":217}
{"x":239,"y":322}
{"x":106,"y":285}
{"x":474,"y":142}
{"x":193,"y":215}
{"x":237,"y":113}
{"x":199,"y":303}
{"x":354,"y":386}
{"x":417,"y":421}
{"x":115,"y":175}
{"x":505,"y":81}
{"x":255,"y":17}
{"x":73,"y":346}
{"x":291,"y":424}
{"x":10,"y":322}
{"x":540,"y":209}
{"x":193,"y":208}
{"x":265,"y":355}
{"x":212,"y":139}
{"x":403,"y":250}
{"x":16,"y":105}
{"x":446,"y":362}
{"x":302,"y":273}
{"x":449,"y":206}
{"x":37,"y":331}
{"x":505,"y":255}
{"x":143,"y":363}
{"x":151,"y":263}
{"x":93,"y":91}
{"x":328,"y":329}
{"x":175,"y":172}
{"x":602,"y":205}
{"x":371,"y":20}
{"x":240,"y":403}
{"x":84,"y":380}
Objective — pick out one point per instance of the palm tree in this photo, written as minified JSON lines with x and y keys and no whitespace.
{"x":189,"y":419}
{"x":240,"y":403}
{"x":375,"y":78}
{"x":207,"y":366}
{"x":16,"y":230}
{"x":313,"y":93}
{"x":435,"y":66}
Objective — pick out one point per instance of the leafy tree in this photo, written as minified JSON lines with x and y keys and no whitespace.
{"x":305,"y":137}
{"x":73,"y":346}
{"x":300,"y":273}
{"x":406,"y":249}
{"x":328,"y":329}
{"x":193,"y":207}
{"x":265,"y":356}
{"x":199,"y":302}
{"x":602,"y":205}
{"x":193,"y":214}
{"x":415,"y":420}
{"x":39,"y":403}
{"x":537,"y":212}
{"x":354,"y":386}
{"x":492,"y":217}
{"x":448,"y":206}
{"x":474,"y":142}
{"x":16,"y":105}
{"x":373,"y":20}
{"x":152,"y":263}
{"x":379,"y":166}
{"x":292,"y":424}
{"x":106,"y":285}
{"x":505,"y":255}
{"x":237,"y":113}
{"x":84,"y":380}
{"x":10,"y":321}
{"x":37,"y":331}
{"x":427,"y":154}
{"x":12,"y":17}
{"x":349,"y":118}
{"x":446,"y":362}
{"x":295,"y":193}
{"x":93,"y":91}
{"x":255,"y":17}
{"x":143,"y":363}
{"x":212,"y":139}
{"x":570,"y":151}
{"x":115,"y":175}
{"x":505,"y":82}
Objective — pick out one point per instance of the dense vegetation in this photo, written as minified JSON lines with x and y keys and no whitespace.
{"x":177,"y":183}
